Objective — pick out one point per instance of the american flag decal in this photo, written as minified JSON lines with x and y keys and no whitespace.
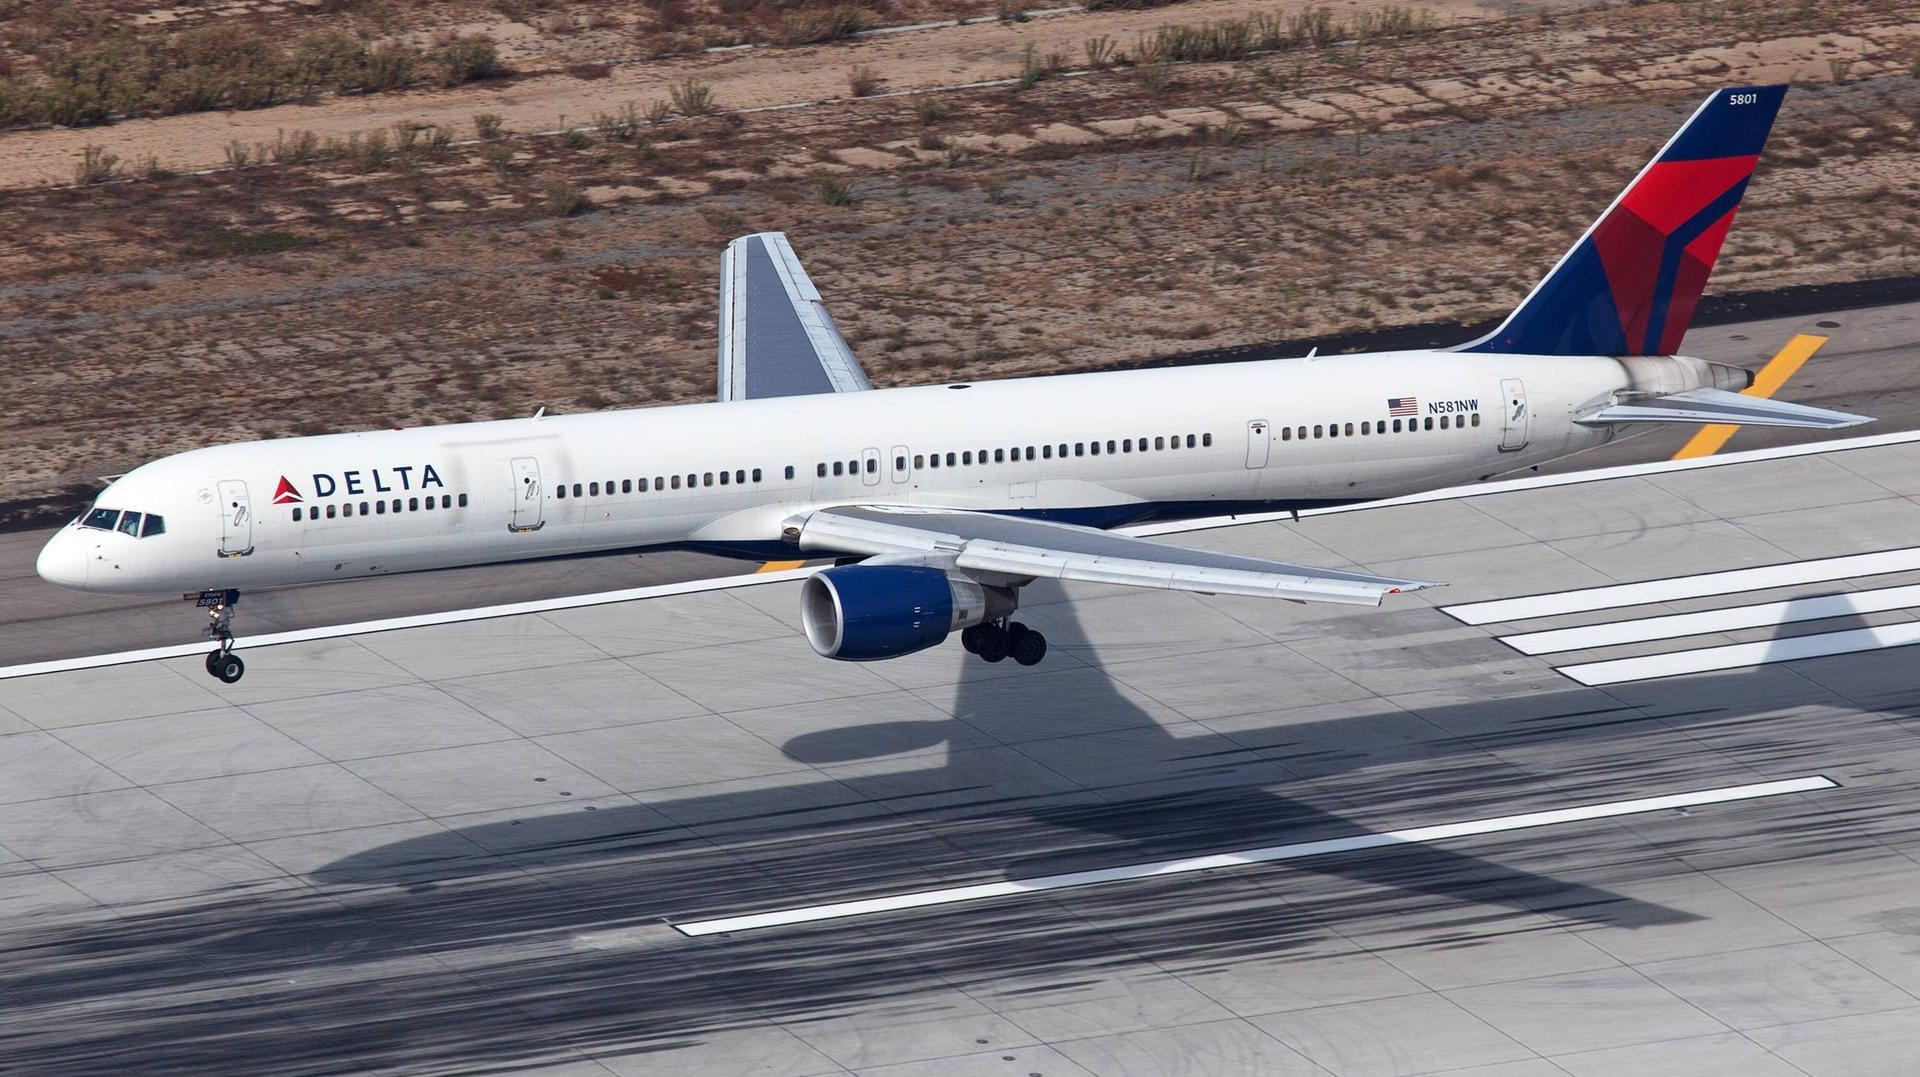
{"x":1403,"y":405}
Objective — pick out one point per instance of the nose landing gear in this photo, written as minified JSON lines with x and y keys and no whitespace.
{"x":998,"y":640}
{"x":222,"y":662}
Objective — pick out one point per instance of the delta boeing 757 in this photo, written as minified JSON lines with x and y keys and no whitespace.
{"x":951,"y":498}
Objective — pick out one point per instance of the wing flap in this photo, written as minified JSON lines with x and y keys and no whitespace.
{"x":776,"y":337}
{"x":1011,"y":546}
{"x":1720,"y":406}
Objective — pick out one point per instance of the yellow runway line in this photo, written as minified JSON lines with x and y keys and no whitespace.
{"x":1711,"y":439}
{"x":779,"y":566}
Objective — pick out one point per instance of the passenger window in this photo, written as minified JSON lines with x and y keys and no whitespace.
{"x":560,"y":492}
{"x":999,"y":456}
{"x":659,"y":483}
{"x":740,"y":476}
{"x":413,"y":504}
{"x":1206,"y":440}
{"x":1303,"y":433}
{"x":789,"y":471}
{"x":463,"y":501}
{"x":919,"y":461}
{"x":873,"y":467}
{"x":837,"y":470}
{"x":1127,"y":445}
{"x":1063,"y":450}
{"x":593,"y":489}
{"x":1109,"y":448}
{"x":1317,"y":428}
{"x":676,"y":482}
{"x":1365,"y":429}
{"x":723,"y":478}
{"x":707,"y":479}
{"x":329,"y":512}
{"x":446,"y":500}
{"x":1046,"y":452}
{"x":1286,"y":433}
{"x":363,"y":509}
{"x":1160,"y":444}
{"x":934,"y":461}
{"x":1443,"y":422}
{"x":1349,"y":430}
{"x":1079,"y":448}
{"x":950,"y":459}
{"x":1093,"y":448}
{"x":428,"y":504}
{"x":576,"y":490}
{"x":347,"y":509}
{"x":101,"y":519}
{"x":1476,"y":418}
{"x":692,"y":481}
{"x":756,"y":474}
{"x":1190,"y":441}
{"x":1396,"y":426}
{"x":380,"y":508}
{"x":1429,"y":422}
{"x":967,"y":457}
{"x":626,"y":486}
{"x":820,"y":471}
{"x":157,"y":526}
{"x":296,"y":515}
{"x":396,"y":504}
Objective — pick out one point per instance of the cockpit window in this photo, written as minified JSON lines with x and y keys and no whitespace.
{"x":154,"y":526}
{"x":101,"y":519}
{"x":130,"y":524}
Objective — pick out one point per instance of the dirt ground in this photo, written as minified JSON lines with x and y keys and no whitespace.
{"x":1088,"y":219}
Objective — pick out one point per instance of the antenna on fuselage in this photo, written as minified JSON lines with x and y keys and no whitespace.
{"x":537,"y":414}
{"x":1313,"y":352}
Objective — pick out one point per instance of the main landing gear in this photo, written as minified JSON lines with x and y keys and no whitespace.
{"x":1001,"y":639}
{"x":222,"y":662}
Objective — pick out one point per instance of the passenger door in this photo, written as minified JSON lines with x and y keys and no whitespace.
{"x":1513,"y":437}
{"x":1259,"y":441}
{"x":528,"y":498}
{"x":236,"y":519}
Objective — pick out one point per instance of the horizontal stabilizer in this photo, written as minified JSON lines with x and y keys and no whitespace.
{"x":1016,"y":547}
{"x":1720,"y":406}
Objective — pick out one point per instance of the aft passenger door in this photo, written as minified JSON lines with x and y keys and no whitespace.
{"x":528,"y":497}
{"x":1513,"y":437}
{"x":236,"y":519}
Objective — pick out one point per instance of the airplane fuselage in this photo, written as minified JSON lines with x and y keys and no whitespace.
{"x":1102,"y":449}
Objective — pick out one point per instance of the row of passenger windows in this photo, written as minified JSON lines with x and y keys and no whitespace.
{"x":1064,"y":449}
{"x":139,"y":525}
{"x":738,"y":477}
{"x":1335,"y":430}
{"x":379,"y":508}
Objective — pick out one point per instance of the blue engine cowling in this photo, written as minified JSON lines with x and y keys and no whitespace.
{"x":858,"y":613}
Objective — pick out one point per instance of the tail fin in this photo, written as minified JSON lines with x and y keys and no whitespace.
{"x":1630,"y":285}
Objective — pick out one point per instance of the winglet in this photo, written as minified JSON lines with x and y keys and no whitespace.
{"x":1629,"y":286}
{"x":776,"y":337}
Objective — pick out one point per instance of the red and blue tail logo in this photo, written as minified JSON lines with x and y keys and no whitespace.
{"x":1629,"y":287}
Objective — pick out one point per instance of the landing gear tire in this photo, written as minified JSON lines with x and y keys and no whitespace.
{"x":226,"y":666}
{"x":992,"y":643}
{"x":1028,"y":647}
{"x":970,"y":638}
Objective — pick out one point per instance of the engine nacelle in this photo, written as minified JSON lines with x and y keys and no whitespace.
{"x":859,"y":613}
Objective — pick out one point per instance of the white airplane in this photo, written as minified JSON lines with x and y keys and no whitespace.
{"x":953,"y":497}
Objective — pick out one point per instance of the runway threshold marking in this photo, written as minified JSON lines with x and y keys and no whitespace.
{"x":1677,"y":625}
{"x":1784,"y":364}
{"x":1730,"y":581}
{"x":1743,"y":655}
{"x":1160,"y":868}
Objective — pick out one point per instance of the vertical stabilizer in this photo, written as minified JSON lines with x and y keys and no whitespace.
{"x":1630,"y":285}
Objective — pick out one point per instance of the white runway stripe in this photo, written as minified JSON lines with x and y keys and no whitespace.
{"x":1418,"y":835}
{"x":1731,"y":581}
{"x":1676,"y":625}
{"x":390,"y":624}
{"x":1741,"y":655}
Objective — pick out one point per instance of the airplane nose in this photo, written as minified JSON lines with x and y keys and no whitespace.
{"x":63,"y":560}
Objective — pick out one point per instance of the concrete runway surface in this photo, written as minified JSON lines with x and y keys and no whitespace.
{"x":466,"y":848}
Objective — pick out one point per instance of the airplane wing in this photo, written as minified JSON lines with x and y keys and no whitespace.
{"x":776,"y":337}
{"x":1720,"y":406}
{"x":1015,"y":547}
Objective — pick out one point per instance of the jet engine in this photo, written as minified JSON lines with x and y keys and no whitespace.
{"x":858,"y":613}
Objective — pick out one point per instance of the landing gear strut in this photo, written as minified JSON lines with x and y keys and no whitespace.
{"x":222,"y":662}
{"x":1000,"y":639}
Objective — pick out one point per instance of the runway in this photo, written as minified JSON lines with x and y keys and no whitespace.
{"x":475,"y":847}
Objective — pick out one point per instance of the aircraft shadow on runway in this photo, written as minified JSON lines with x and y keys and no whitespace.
{"x":476,"y":948}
